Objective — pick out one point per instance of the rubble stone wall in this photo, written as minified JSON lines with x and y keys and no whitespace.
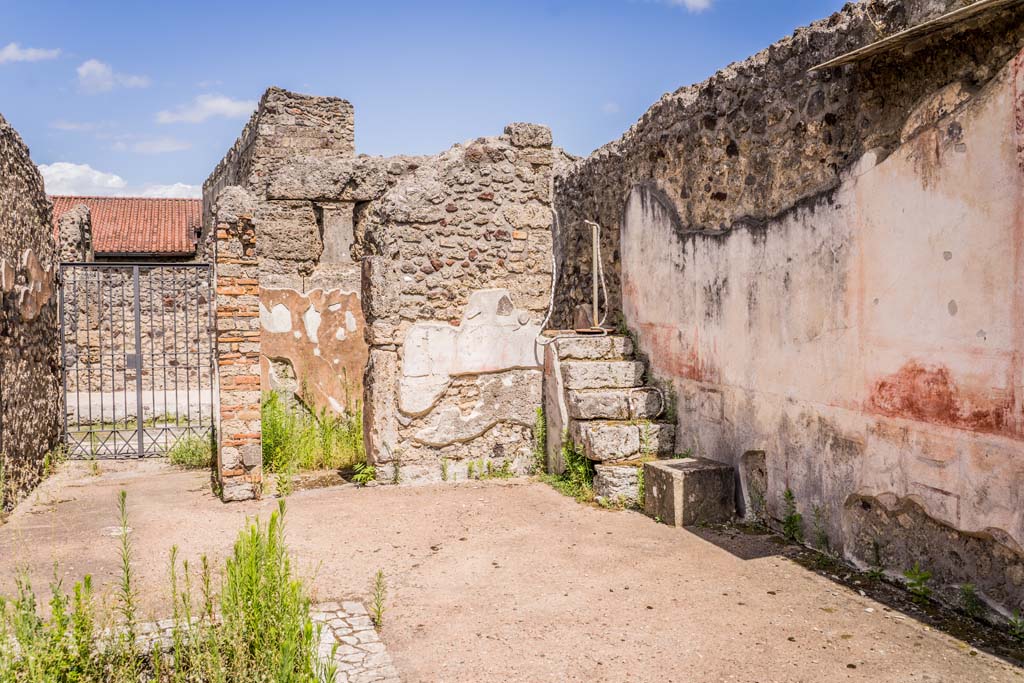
{"x":455,"y":290}
{"x":825,"y":267}
{"x":311,"y":318}
{"x":448,"y":255}
{"x":30,"y":395}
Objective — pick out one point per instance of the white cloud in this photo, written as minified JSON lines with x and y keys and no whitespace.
{"x":691,"y":5}
{"x":610,"y":108}
{"x":160,"y":146}
{"x":12,"y":52}
{"x":181,"y":190}
{"x":81,"y":179}
{"x":95,"y":77}
{"x":207,"y":106}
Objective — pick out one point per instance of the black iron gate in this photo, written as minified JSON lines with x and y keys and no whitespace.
{"x":137,"y":355}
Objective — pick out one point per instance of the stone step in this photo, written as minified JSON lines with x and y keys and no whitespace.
{"x":610,"y":440}
{"x":641,"y":403}
{"x":594,"y":348}
{"x":617,"y":484}
{"x":602,"y":374}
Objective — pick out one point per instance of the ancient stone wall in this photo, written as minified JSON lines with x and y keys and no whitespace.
{"x":825,"y":266}
{"x":455,"y":292}
{"x":239,"y":452}
{"x":30,"y":398}
{"x":312,"y":320}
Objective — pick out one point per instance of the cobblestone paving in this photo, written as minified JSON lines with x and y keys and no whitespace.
{"x":360,"y":654}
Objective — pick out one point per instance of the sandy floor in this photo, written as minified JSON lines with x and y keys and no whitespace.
{"x":508,"y":582}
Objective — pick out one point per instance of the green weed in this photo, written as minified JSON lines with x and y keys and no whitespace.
{"x":192,"y":452}
{"x":819,"y":520}
{"x":1016,"y":626}
{"x":294,"y":437}
{"x":577,"y":480}
{"x":640,"y":493}
{"x":540,"y":441}
{"x":363,"y":473}
{"x":258,"y":629}
{"x":970,"y":603}
{"x":917,"y":583}
{"x":380,"y":593}
{"x":793,"y":522}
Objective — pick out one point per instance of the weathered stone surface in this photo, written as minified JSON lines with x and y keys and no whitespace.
{"x":528,"y":135}
{"x":610,"y":441}
{"x":234,"y":203}
{"x":616,"y":484}
{"x":311,"y":177}
{"x":290,"y":237}
{"x":74,"y":234}
{"x":507,"y":397}
{"x":594,"y":348}
{"x":614,"y":404}
{"x":380,"y":299}
{"x":602,"y":374}
{"x":30,"y":392}
{"x":598,"y":404}
{"x":380,"y":424}
{"x":689,"y":491}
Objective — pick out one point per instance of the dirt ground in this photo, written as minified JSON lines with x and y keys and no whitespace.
{"x":506,"y":581}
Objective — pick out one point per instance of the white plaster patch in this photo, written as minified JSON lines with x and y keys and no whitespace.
{"x":339,"y":334}
{"x":278,"y":319}
{"x":490,"y":339}
{"x":350,"y":321}
{"x":311,"y":319}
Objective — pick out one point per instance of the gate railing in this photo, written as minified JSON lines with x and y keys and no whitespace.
{"x":137,"y":353}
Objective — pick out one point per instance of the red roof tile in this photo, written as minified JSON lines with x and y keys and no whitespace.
{"x":138,"y":225}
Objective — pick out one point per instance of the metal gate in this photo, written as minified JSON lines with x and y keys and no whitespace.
{"x":137,"y":355}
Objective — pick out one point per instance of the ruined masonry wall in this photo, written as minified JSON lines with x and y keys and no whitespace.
{"x":30,"y":396}
{"x":312,"y":323}
{"x":455,"y":291}
{"x":239,"y":456}
{"x":842,"y":250}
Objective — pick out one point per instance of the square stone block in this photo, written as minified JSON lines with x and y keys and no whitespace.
{"x":689,"y":491}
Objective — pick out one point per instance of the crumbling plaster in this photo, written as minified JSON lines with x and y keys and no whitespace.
{"x":843,"y":250}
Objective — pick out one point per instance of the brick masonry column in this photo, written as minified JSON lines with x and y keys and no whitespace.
{"x":239,"y":452}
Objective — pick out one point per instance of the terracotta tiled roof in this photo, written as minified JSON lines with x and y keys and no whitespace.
{"x":138,"y":225}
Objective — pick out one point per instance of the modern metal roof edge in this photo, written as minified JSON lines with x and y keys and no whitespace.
{"x":924,"y":28}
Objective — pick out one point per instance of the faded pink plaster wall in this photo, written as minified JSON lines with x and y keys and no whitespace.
{"x":869,"y":342}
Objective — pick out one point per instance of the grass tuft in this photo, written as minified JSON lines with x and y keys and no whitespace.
{"x":295,"y":439}
{"x":577,"y":480}
{"x":192,"y":452}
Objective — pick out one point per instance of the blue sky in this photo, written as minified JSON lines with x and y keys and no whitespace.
{"x":145,"y":97}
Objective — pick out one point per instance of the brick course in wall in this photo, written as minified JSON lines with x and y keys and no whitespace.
{"x":239,"y":460}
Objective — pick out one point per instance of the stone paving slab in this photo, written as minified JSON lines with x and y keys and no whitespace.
{"x":360,"y":654}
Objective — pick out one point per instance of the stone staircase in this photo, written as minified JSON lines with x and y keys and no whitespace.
{"x":594,"y":395}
